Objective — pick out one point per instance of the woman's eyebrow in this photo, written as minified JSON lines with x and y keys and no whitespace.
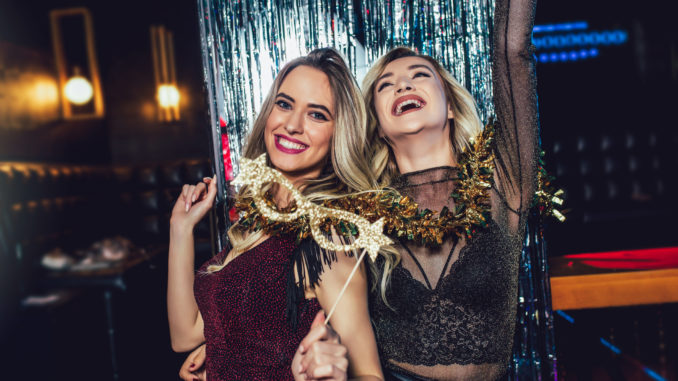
{"x":315,"y":105}
{"x":385,"y":75}
{"x":283,"y":95}
{"x":419,"y":66}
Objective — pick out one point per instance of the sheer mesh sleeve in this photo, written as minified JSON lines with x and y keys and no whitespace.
{"x":515,"y":100}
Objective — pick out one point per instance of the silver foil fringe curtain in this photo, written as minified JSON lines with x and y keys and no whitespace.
{"x":245,"y":43}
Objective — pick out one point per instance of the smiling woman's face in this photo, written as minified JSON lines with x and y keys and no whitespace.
{"x":409,"y":97}
{"x":300,"y":127}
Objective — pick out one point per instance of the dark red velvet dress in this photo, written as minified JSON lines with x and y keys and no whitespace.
{"x":247,"y":333}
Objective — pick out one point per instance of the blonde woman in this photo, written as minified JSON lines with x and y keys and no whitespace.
{"x":451,"y":309}
{"x":254,"y":303}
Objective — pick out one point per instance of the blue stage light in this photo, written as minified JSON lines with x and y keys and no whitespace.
{"x":565,"y":316}
{"x":605,"y":38}
{"x":611,"y":347}
{"x":578,"y":25}
{"x":654,"y":375}
{"x":565,"y":56}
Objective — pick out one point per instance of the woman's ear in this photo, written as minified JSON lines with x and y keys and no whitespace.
{"x":450,"y":112}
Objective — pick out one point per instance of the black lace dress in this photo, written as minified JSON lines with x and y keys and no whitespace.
{"x":452,"y":308}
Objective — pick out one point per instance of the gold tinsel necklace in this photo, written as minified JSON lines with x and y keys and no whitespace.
{"x":401,"y":216}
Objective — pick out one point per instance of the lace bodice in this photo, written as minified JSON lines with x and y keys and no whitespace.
{"x":452,"y":308}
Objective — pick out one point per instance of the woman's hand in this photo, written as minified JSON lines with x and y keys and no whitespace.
{"x":193,"y":203}
{"x":321,"y":354}
{"x":193,"y":368}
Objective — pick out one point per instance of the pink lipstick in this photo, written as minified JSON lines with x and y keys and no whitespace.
{"x":289,"y":145}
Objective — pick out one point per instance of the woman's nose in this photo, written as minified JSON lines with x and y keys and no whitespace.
{"x":295,"y":123}
{"x":404,"y":84}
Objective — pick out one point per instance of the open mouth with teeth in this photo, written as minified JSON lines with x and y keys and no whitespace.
{"x":289,"y":145}
{"x":406,"y":104}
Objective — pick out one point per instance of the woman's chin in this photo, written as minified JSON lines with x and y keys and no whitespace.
{"x":293,"y":171}
{"x":409,"y":130}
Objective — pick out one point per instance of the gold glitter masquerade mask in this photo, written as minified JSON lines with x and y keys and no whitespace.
{"x":255,"y":173}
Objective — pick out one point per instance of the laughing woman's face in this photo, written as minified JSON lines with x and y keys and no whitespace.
{"x":409,"y":97}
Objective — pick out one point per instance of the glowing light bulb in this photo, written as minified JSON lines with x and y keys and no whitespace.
{"x":78,"y":90}
{"x":168,"y":96}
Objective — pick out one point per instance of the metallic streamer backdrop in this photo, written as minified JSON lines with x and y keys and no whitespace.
{"x":245,"y":43}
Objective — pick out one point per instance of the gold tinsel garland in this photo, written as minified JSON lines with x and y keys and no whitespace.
{"x":546,"y":197}
{"x":401,"y":216}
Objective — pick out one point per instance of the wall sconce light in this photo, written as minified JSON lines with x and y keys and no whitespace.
{"x":78,"y":90}
{"x":168,"y":96}
{"x":164,"y":69}
{"x":81,"y":89}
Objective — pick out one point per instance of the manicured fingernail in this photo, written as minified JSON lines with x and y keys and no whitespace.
{"x":193,"y":198}
{"x":187,"y":206}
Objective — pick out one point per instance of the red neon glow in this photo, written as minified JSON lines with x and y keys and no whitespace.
{"x":226,"y":152}
{"x":643,"y":259}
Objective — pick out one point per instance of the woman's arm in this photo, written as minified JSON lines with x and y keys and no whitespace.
{"x":351,"y":319}
{"x":185,"y":321}
{"x":515,"y":98}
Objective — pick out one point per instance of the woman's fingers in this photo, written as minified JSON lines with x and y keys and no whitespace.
{"x":200,"y":376}
{"x":328,"y":367}
{"x":199,"y":192}
{"x":184,"y":191}
{"x":191,"y":368}
{"x":319,"y":332}
{"x":322,"y":353}
{"x":185,"y":371}
{"x":212,"y":189}
{"x":196,"y":358}
{"x":189,"y":195}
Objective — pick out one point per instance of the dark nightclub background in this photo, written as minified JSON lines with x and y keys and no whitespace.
{"x":607,"y":101}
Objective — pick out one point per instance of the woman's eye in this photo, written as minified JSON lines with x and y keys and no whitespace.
{"x":283,"y":105}
{"x":421,"y":74}
{"x":383,"y":85}
{"x":318,"y":115}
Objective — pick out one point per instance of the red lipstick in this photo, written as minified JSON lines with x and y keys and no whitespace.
{"x":407,"y":103}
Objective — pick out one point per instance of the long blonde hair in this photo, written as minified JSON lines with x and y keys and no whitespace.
{"x":347,"y":170}
{"x":465,"y":124}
